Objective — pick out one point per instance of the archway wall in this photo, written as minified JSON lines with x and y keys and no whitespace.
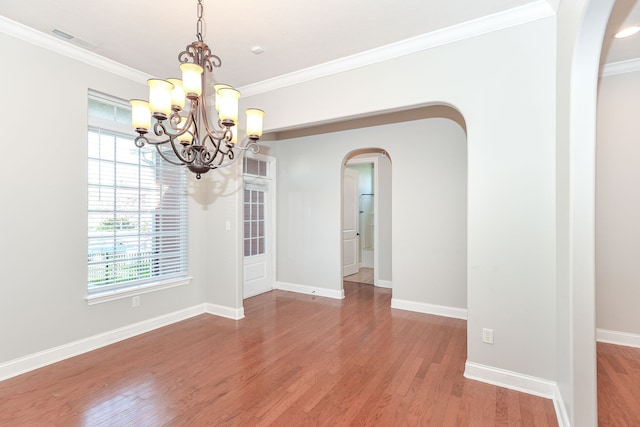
{"x":426,"y":210}
{"x":581,"y":27}
{"x":503,"y":83}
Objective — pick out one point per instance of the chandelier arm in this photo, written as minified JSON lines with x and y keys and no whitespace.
{"x":160,"y":129}
{"x":214,"y":132}
{"x":212,"y":154}
{"x":169,"y":160}
{"x":251,"y":146}
{"x":186,"y":157}
{"x":200,"y":53}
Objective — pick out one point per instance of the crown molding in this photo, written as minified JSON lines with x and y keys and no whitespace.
{"x":49,"y":42}
{"x":536,"y":10}
{"x":615,"y":68}
{"x":509,"y":18}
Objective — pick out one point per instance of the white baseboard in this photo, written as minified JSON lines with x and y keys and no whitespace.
{"x":619,"y":338}
{"x":37,"y":360}
{"x":520,"y":382}
{"x":310,"y":290}
{"x":223,"y":311}
{"x":384,"y":283}
{"x":421,"y":307}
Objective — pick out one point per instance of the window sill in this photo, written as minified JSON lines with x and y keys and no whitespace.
{"x":112,"y":295}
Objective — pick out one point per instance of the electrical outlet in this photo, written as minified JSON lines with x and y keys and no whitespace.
{"x":487,"y":336}
{"x":135,"y":301}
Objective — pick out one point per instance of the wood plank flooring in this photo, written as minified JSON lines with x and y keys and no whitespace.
{"x":295,"y":360}
{"x":618,"y":385}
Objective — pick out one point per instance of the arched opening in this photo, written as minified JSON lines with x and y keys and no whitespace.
{"x":428,"y":209}
{"x":616,"y":213}
{"x":366,"y":217}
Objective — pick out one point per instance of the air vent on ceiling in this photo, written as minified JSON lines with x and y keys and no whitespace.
{"x":75,"y":40}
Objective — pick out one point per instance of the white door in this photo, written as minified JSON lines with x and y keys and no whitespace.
{"x":350,"y":263}
{"x":258,"y":224}
{"x":258,"y":275}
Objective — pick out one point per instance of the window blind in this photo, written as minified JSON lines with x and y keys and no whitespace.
{"x":137,"y":206}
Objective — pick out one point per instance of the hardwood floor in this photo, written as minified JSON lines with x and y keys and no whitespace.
{"x":295,"y":360}
{"x":618,"y":385}
{"x":364,"y":275}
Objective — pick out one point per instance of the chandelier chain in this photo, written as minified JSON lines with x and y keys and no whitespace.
{"x":199,"y":22}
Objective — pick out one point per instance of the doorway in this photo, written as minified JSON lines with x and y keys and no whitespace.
{"x":366,"y":218}
{"x":258,"y":225}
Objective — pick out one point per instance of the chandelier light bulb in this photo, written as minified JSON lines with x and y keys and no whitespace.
{"x":140,"y":115}
{"x":187,"y":137}
{"x":228,"y":105}
{"x":192,"y":79}
{"x":254,"y":123}
{"x":216,"y":88}
{"x":160,"y":98}
{"x":177,"y":94}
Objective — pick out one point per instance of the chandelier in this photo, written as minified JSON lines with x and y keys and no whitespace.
{"x":180,"y":110}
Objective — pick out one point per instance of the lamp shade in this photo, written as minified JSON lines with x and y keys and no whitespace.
{"x":254,"y":122}
{"x":140,"y":114}
{"x":160,"y":97}
{"x":228,"y":105}
{"x":186,"y":137}
{"x":191,"y":79}
{"x":177,"y":94}
{"x":216,"y":88}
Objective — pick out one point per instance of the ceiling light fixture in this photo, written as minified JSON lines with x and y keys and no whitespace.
{"x":627,"y":32}
{"x":196,"y":143}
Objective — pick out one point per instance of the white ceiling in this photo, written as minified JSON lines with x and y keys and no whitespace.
{"x":148,"y":35}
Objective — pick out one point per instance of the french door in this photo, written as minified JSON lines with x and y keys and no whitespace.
{"x":258,"y":231}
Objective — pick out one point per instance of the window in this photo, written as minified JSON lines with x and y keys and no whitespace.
{"x":255,"y":167}
{"x":137,"y":207}
{"x":254,"y":220}
{"x":256,"y":175}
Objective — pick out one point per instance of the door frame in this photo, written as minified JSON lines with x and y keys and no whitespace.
{"x":376,"y":228}
{"x":270,"y":212}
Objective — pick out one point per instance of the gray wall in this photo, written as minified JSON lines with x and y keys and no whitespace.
{"x":44,"y":220}
{"x":428,"y":208}
{"x":618,"y":204}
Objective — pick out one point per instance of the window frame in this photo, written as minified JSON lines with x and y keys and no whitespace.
{"x":150,"y":284}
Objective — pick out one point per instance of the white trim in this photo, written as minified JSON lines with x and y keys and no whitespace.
{"x":615,"y":68}
{"x":54,"y":44}
{"x":384,"y":283}
{"x":619,"y":338}
{"x":421,"y":307}
{"x":520,"y":382}
{"x":310,"y":290}
{"x":509,"y":18}
{"x":37,"y":360}
{"x":116,"y":294}
{"x":224,"y":311}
